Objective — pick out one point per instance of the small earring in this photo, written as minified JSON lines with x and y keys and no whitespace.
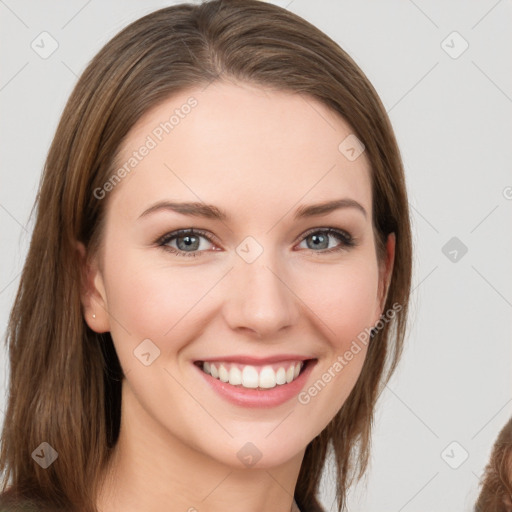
{"x":94,"y":315}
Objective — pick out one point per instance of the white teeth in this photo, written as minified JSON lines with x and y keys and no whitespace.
{"x":235,"y":376}
{"x":281,"y":376}
{"x":267,"y":377}
{"x":249,"y":377}
{"x":252,"y":377}
{"x":223,"y":373}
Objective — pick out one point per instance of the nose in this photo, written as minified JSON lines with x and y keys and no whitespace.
{"x":260,"y":299}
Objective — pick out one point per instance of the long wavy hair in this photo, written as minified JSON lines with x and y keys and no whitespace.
{"x":65,"y":380}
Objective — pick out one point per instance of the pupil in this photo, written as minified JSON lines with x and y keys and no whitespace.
{"x":189,"y":241}
{"x":319,"y":240}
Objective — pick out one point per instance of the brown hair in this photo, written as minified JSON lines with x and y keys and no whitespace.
{"x":496,"y":492}
{"x":65,"y":379}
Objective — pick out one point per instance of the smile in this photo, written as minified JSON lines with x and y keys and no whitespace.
{"x":252,"y":376}
{"x":249,"y":382}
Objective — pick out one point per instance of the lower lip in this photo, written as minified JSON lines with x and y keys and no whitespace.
{"x":272,"y":397}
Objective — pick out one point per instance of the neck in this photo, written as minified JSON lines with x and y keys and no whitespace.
{"x":151,"y":469}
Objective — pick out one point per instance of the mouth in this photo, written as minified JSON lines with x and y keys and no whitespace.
{"x":259,"y":377}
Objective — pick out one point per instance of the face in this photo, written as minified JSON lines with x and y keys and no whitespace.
{"x":268,"y":291}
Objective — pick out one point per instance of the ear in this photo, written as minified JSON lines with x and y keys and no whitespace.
{"x":92,"y":292}
{"x":385,"y":273}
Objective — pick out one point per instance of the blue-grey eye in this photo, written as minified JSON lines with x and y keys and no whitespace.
{"x":187,"y":242}
{"x":319,"y":240}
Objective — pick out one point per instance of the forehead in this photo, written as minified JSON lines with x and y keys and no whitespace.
{"x":240,"y":144}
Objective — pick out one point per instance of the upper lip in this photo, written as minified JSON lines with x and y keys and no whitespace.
{"x":257,"y":360}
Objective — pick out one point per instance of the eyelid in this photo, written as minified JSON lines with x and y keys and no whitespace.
{"x":344,"y":237}
{"x":171,"y":235}
{"x":329,"y":230}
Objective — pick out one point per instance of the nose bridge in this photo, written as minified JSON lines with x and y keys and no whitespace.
{"x":259,"y":297}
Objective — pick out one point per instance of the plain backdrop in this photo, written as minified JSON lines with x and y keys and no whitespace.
{"x":443,"y":72}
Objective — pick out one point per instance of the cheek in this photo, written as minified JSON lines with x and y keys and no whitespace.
{"x":343,"y":297}
{"x":154,"y":301}
{"x":150,"y":301}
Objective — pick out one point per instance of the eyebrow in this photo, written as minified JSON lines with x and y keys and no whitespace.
{"x":210,"y":211}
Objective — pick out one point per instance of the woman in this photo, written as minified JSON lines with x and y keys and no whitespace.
{"x":217,"y":285}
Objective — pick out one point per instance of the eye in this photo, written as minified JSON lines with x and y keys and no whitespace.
{"x":318,"y":240}
{"x":190,"y":241}
{"x":185,"y":242}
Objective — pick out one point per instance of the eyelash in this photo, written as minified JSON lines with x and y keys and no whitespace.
{"x":347,"y":241}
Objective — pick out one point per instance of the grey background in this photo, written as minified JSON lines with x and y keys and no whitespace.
{"x":452,"y":117}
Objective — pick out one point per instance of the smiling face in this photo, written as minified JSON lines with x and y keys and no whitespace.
{"x":259,"y":282}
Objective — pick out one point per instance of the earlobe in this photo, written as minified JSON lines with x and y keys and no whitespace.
{"x":92,"y":292}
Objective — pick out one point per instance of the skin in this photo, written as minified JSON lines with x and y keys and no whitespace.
{"x":257,"y":154}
